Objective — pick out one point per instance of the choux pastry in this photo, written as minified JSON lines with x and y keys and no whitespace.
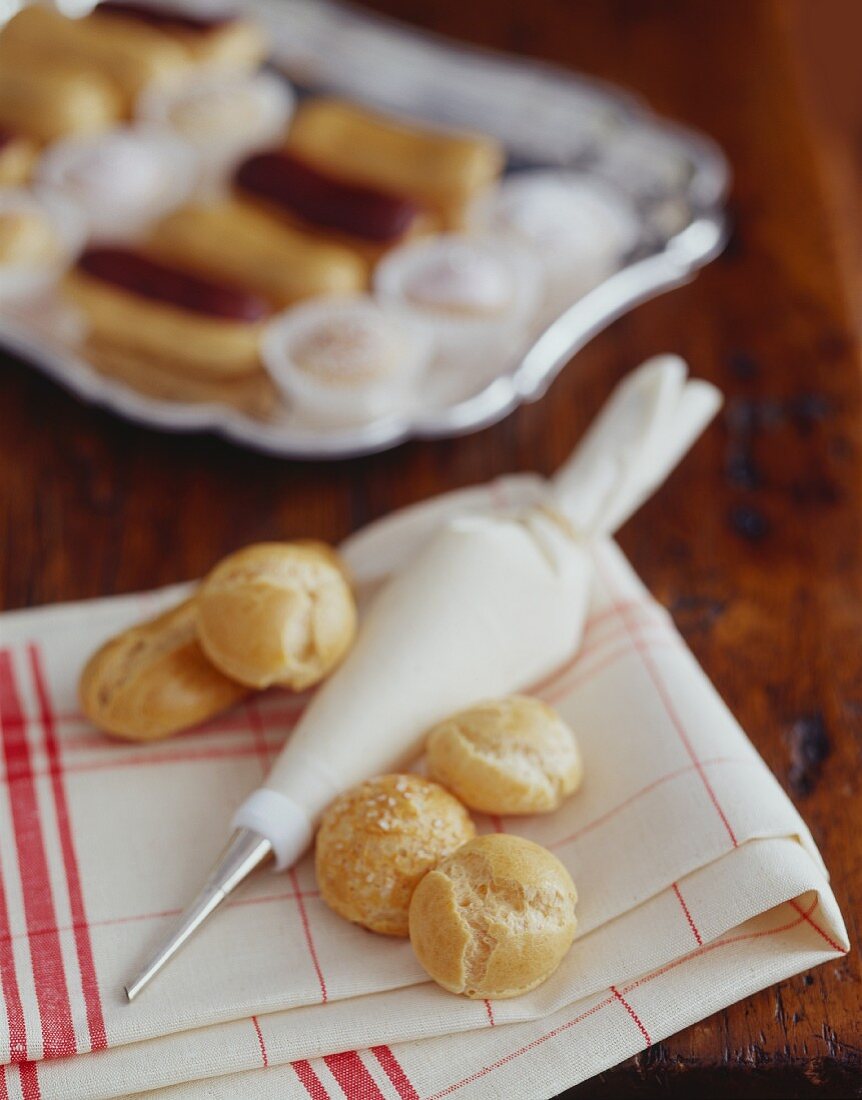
{"x":495,"y":919}
{"x":18,"y":155}
{"x":277,"y":613}
{"x":233,"y":240}
{"x":173,"y":316}
{"x":153,"y":680}
{"x":215,"y":40}
{"x":365,"y":219}
{"x":45,"y":39}
{"x":376,"y":842}
{"x":440,"y":170}
{"x":48,"y":102}
{"x":506,"y":756}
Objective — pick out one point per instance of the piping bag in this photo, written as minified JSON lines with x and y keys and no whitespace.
{"x":469,"y":606}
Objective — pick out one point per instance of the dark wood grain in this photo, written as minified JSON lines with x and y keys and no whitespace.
{"x":754,"y":544}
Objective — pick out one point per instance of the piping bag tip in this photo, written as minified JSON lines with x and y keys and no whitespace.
{"x":245,"y":851}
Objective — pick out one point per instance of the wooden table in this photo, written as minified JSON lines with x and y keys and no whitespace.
{"x":755,"y":544}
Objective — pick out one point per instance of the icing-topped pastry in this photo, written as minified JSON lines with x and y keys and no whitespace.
{"x":238,"y":242}
{"x":343,"y":358}
{"x":47,"y":102}
{"x":95,"y":46}
{"x":441,"y":169}
{"x":325,"y":201}
{"x":123,"y":180}
{"x":180,"y":320}
{"x":39,"y":236}
{"x":223,"y":116}
{"x":475,"y":296}
{"x":578,"y":230}
{"x":214,"y":37}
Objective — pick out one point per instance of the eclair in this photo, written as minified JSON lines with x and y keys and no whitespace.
{"x":440,"y":169}
{"x":49,"y":42}
{"x":232,"y":240}
{"x":221,"y":40}
{"x":46,"y":102}
{"x":135,"y":304}
{"x":366,"y":218}
{"x":17,"y":156}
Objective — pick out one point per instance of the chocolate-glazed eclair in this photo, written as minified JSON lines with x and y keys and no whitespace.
{"x":46,"y":102}
{"x":219,"y":39}
{"x":46,"y":40}
{"x":443,"y":170}
{"x":232,"y":240}
{"x":180,"y":319}
{"x":366,"y":218}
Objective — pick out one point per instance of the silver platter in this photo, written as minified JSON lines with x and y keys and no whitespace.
{"x":545,"y":116}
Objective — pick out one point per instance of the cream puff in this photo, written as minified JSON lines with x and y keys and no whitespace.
{"x":377,"y":840}
{"x":277,"y":613}
{"x":153,"y":680}
{"x":507,"y":756}
{"x":495,"y":919}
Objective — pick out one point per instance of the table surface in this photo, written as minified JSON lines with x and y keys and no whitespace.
{"x":754,"y":544}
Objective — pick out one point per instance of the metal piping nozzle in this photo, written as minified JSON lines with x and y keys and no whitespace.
{"x":246,"y":851}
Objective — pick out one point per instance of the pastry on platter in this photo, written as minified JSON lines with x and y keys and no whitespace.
{"x":507,"y":756}
{"x":131,"y":302}
{"x":366,"y":218}
{"x":252,"y":394}
{"x":343,"y":359}
{"x":122,"y":180}
{"x":277,"y":613}
{"x":214,"y":38}
{"x":579,"y":230}
{"x":48,"y":42}
{"x":40,"y":235}
{"x":441,"y":169}
{"x":225,"y":116}
{"x":233,"y":240}
{"x":18,"y":155}
{"x":494,"y":919}
{"x":46,"y":102}
{"x":153,"y":679}
{"x":475,"y":296}
{"x":378,"y":839}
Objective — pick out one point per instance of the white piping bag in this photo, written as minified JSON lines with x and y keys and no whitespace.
{"x":478,"y":604}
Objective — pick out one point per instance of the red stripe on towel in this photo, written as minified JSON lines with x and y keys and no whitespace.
{"x":395,"y":1072}
{"x":352,"y":1075}
{"x":49,"y":977}
{"x":83,"y":942}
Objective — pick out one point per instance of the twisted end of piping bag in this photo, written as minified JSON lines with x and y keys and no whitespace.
{"x":651,"y":419}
